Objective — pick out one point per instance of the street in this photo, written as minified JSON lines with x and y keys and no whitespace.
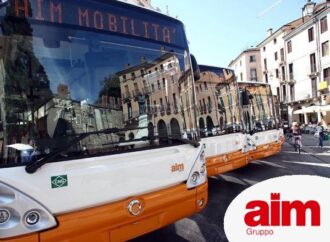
{"x":208,"y":225}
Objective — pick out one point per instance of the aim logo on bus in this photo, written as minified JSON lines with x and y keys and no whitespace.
{"x":177,"y":167}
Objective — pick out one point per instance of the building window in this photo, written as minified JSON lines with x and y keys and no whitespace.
{"x":155,"y":107}
{"x":282,"y":54}
{"x":136,"y":88}
{"x":291,"y":72}
{"x":266,"y":78}
{"x":284,"y":93}
{"x":311,"y":34}
{"x":129,"y":110}
{"x":275,"y":41}
{"x":253,"y":74}
{"x":324,"y":24}
{"x":241,"y":76}
{"x":276,"y":55}
{"x":158,"y":84}
{"x":326,"y":75}
{"x":277,"y":73}
{"x":289,"y":45}
{"x":314,"y":87}
{"x":253,"y":58}
{"x":164,"y":83}
{"x":264,"y":48}
{"x":126,"y":89}
{"x":265,"y":64}
{"x":325,"y":48}
{"x":205,"y":85}
{"x":278,"y":92}
{"x":313,"y":63}
{"x":240,"y":63}
{"x":174,"y":101}
{"x":283,"y":73}
{"x":292,"y":94}
{"x":161,"y":105}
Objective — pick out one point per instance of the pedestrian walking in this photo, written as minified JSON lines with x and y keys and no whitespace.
{"x":320,"y":132}
{"x":296,"y":132}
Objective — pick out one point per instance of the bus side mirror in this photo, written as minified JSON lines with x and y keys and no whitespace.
{"x":195,"y":68}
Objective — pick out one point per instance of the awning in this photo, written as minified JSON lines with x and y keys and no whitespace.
{"x":325,"y":108}
{"x":313,"y":109}
{"x":299,"y":111}
{"x":310,"y":109}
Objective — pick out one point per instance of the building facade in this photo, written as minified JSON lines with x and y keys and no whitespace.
{"x":308,"y":63}
{"x":247,"y":65}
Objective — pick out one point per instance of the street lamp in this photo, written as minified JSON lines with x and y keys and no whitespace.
{"x":308,"y":9}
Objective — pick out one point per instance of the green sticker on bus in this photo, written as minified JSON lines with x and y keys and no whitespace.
{"x":59,"y":181}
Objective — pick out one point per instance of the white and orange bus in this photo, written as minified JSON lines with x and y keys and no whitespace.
{"x":98,"y":131}
{"x":219,"y":120}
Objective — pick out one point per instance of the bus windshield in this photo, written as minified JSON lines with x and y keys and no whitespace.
{"x":74,"y":67}
{"x":218,"y":111}
{"x":259,"y":114}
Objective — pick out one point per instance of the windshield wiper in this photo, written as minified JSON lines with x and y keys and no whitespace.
{"x":34,"y":166}
{"x":194,"y":143}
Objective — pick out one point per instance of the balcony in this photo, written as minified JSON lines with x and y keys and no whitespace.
{"x":282,"y":63}
{"x":324,"y":86}
{"x":168,"y":109}
{"x":137,"y":93}
{"x":154,"y":111}
{"x":146,"y":90}
{"x":162,"y":110}
{"x":126,"y":96}
{"x":285,"y":99}
{"x":314,"y":72}
{"x":291,"y":80}
{"x":175,"y":109}
{"x":210,"y":108}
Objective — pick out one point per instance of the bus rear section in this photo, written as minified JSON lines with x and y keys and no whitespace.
{"x":264,"y":138}
{"x":98,"y":134}
{"x":219,"y":120}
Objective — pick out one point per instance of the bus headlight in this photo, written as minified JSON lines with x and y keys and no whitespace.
{"x":4,"y":216}
{"x":198,"y":174}
{"x":32,"y":218}
{"x":21,"y":214}
{"x":194,"y":177}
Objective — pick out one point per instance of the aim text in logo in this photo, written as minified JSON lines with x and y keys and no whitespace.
{"x":59,"y":181}
{"x":278,"y":213}
{"x":177,"y":167}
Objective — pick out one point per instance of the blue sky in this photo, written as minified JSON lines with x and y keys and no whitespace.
{"x":219,"y":30}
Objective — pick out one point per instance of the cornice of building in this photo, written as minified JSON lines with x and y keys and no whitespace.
{"x":308,"y":23}
{"x":283,"y":29}
{"x":244,"y":52}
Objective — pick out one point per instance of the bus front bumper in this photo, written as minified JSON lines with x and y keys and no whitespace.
{"x":264,"y":151}
{"x":225,"y":162}
{"x":114,"y":222}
